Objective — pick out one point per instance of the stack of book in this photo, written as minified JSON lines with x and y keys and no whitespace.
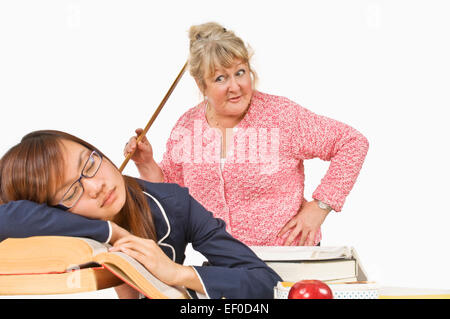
{"x":339,"y":267}
{"x":328,"y":264}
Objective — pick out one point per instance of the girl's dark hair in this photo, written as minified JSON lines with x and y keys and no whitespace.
{"x":33,"y":169}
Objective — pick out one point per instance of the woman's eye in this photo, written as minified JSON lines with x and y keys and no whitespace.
{"x":73,"y":191}
{"x":220,"y":78}
{"x":240,"y":72}
{"x":90,"y":166}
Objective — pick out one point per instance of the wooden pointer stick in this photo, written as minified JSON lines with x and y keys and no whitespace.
{"x":155,"y":115}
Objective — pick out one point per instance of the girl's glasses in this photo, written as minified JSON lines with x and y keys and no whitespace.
{"x":75,"y":191}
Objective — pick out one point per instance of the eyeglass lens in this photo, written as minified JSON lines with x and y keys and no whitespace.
{"x":89,"y":170}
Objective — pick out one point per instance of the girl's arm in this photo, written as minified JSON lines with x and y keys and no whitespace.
{"x":234,"y":271}
{"x":24,"y":218}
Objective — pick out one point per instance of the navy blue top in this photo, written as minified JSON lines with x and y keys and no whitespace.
{"x":234,"y":271}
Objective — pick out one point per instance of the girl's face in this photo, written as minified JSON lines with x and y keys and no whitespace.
{"x":103,"y":195}
{"x":229,"y":90}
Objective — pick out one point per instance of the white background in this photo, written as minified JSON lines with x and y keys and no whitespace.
{"x":99,"y":69}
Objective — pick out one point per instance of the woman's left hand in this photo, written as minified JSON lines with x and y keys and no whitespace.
{"x":305,"y":225}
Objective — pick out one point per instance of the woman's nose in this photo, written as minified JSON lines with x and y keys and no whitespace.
{"x":93,"y":186}
{"x":234,"y":85}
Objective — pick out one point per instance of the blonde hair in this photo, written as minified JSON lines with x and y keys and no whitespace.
{"x":212,"y":45}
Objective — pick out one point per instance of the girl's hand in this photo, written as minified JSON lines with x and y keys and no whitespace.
{"x":150,"y":255}
{"x":117,"y":232}
{"x":304,"y":226}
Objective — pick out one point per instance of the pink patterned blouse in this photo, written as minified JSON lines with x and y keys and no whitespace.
{"x":259,"y":186}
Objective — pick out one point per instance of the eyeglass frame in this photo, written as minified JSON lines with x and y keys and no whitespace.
{"x":66,"y":208}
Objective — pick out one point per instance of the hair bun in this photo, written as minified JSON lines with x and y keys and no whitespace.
{"x":205,"y":31}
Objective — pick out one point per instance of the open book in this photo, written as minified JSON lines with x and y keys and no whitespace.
{"x":58,"y":264}
{"x":328,"y":264}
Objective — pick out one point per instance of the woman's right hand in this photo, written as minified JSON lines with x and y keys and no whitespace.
{"x":143,"y":158}
{"x":143,"y":152}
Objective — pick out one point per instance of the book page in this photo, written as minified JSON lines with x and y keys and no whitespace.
{"x":280,"y":253}
{"x":96,"y":246}
{"x":323,"y":270}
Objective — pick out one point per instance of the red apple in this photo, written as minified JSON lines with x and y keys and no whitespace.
{"x":310,"y":289}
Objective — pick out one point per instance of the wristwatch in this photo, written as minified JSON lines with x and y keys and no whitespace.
{"x":324,"y":206}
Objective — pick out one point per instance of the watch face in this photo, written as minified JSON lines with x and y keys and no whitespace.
{"x":323,"y":205}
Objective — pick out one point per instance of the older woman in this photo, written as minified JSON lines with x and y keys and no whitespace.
{"x":240,"y":151}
